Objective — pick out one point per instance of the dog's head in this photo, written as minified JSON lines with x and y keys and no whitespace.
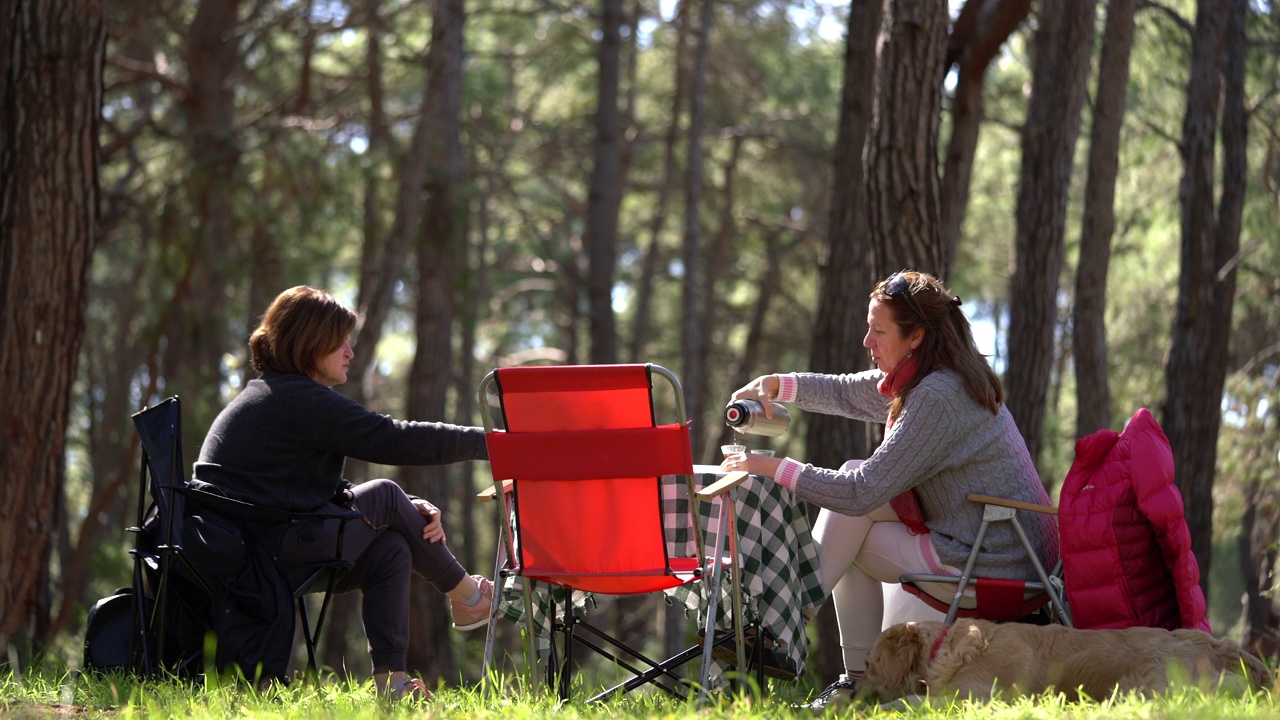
{"x":897,"y":661}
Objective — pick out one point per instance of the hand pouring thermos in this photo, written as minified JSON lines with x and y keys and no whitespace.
{"x":747,"y":416}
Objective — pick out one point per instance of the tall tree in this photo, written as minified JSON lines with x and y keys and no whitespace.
{"x":438,"y":254}
{"x":976,"y":37}
{"x":1059,"y":82}
{"x":1196,"y":369}
{"x":373,"y":238}
{"x":692,"y":327}
{"x":1088,"y":327}
{"x":380,"y":277}
{"x":641,"y":321}
{"x":50,"y":108}
{"x":197,"y":334}
{"x":902,"y":143}
{"x":605,"y":191}
{"x":845,"y":276}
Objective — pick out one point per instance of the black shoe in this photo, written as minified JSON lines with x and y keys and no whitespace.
{"x":840,"y":692}
{"x":775,"y":665}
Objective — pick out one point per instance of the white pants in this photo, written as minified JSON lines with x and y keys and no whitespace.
{"x":856,"y":555}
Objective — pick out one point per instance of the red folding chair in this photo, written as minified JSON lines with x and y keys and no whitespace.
{"x":994,"y":599}
{"x":579,"y":465}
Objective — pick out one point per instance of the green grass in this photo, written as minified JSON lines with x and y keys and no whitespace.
{"x":92,"y":696}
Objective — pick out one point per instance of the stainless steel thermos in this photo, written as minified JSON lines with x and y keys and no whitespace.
{"x":747,"y":416}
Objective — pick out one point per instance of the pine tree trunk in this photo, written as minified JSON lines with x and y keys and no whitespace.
{"x":1196,"y":369}
{"x":693,"y":328}
{"x":902,"y":143}
{"x":605,"y":191}
{"x":1060,"y":75}
{"x":978,"y":34}
{"x":1089,"y":331}
{"x":840,"y":317}
{"x":50,"y":105}
{"x":438,"y":254}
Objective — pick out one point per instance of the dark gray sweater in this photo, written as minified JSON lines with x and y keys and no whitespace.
{"x":283,"y":440}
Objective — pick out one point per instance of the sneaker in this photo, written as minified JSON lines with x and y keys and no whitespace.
{"x":470,"y":617}
{"x":840,"y":692}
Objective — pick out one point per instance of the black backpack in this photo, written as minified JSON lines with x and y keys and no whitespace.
{"x":109,"y":644}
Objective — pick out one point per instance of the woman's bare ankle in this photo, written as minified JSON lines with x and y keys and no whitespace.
{"x":466,"y":589}
{"x":387,"y":679}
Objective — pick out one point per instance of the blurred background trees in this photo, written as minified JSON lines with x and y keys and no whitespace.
{"x":710,"y":185}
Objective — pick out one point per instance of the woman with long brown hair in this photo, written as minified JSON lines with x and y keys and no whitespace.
{"x":904,"y":509}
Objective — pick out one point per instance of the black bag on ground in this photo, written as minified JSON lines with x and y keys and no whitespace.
{"x":108,"y":634}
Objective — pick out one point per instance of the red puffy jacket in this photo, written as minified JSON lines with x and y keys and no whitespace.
{"x":1126,"y":550}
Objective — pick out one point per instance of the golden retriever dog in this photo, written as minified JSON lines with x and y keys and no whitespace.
{"x":976,"y":658}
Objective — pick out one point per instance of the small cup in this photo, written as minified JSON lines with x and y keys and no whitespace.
{"x":762,"y":452}
{"x":733,"y":449}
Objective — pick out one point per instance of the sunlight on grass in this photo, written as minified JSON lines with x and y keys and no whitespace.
{"x":125,"y":697}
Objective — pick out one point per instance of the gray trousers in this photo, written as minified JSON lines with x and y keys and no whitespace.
{"x":385,"y":546}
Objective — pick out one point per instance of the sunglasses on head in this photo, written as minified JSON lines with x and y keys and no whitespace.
{"x":898,"y":286}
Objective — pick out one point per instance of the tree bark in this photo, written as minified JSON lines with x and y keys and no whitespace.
{"x":197,"y":334}
{"x":1259,"y":614}
{"x":693,"y":329}
{"x":673,"y":626}
{"x":653,"y":251}
{"x":605,"y":190}
{"x":902,"y":147}
{"x":1089,"y":330}
{"x":50,"y":106}
{"x":720,"y":254}
{"x":1196,"y":369}
{"x":845,"y":278}
{"x":337,"y":650}
{"x":980,"y":31}
{"x":376,"y":299}
{"x":1060,"y":75}
{"x":431,"y":652}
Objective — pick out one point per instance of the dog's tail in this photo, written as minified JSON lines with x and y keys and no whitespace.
{"x":1260,"y":676}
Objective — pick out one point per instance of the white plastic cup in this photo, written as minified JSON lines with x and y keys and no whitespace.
{"x":762,"y":452}
{"x":733,"y":449}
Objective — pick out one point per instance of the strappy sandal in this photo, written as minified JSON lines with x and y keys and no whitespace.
{"x":409,"y":690}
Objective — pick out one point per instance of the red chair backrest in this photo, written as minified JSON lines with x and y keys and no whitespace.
{"x":582,"y":443}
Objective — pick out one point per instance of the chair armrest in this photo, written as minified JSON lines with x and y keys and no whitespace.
{"x":488,"y":494}
{"x":723,"y":485}
{"x":258,"y":513}
{"x":1015,"y":504}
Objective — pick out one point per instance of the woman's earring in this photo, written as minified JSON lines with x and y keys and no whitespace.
{"x":910,"y":353}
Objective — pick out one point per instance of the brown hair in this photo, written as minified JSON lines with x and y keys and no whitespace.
{"x":948,"y":339}
{"x":302,"y":325}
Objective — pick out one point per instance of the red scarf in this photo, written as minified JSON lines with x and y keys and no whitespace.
{"x":893,"y":381}
{"x":906,"y":505}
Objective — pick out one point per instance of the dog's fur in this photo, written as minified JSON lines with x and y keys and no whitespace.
{"x":976,"y":658}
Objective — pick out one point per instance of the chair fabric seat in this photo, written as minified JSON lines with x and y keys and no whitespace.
{"x":995,"y":599}
{"x":683,"y":571}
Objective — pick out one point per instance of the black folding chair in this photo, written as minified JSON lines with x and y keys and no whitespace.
{"x":173,"y":594}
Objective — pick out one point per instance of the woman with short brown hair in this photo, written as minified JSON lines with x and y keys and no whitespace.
{"x":283,"y":442}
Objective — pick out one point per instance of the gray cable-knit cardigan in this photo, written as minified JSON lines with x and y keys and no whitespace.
{"x":945,"y":446}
